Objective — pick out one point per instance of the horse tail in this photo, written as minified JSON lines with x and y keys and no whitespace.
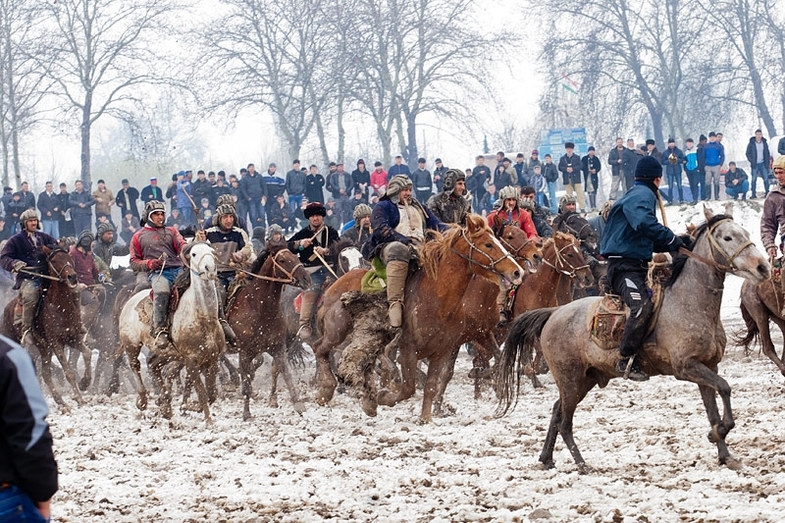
{"x":752,"y":330}
{"x":522,"y":340}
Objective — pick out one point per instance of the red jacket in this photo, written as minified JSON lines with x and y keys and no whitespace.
{"x":84,"y":265}
{"x":517,"y":217}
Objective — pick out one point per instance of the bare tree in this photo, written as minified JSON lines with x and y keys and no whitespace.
{"x":22,"y":79}
{"x":105,"y":50}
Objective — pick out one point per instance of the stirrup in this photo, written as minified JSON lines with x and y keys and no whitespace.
{"x":24,"y":335}
{"x":304,"y":332}
{"x":161,"y":338}
{"x":628,"y":373}
{"x":504,"y":318}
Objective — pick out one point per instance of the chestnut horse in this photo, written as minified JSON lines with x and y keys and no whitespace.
{"x":434,"y":315}
{"x":58,"y":323}
{"x":255,"y":315}
{"x":760,"y":303}
{"x":688,"y":340}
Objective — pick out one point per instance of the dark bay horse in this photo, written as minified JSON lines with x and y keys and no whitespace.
{"x":57,"y":325}
{"x":760,"y":303}
{"x":434,"y":314}
{"x":578,"y":226}
{"x":255,"y":315}
{"x":688,"y":340}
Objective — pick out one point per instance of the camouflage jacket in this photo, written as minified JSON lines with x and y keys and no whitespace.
{"x":449,"y":208}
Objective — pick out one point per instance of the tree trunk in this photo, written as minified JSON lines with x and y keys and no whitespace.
{"x":411,"y":139}
{"x":341,"y":129}
{"x":85,"y":135}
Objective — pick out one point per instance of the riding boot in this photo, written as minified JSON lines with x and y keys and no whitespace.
{"x":632,"y":341}
{"x":504,"y":313}
{"x":307,"y":306}
{"x":396,"y":282}
{"x":159,"y":330}
{"x":231,"y":337}
{"x":28,"y":316}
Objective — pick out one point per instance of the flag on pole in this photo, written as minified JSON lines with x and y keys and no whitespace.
{"x":569,"y":84}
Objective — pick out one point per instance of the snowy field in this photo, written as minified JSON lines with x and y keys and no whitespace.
{"x":647,"y":443}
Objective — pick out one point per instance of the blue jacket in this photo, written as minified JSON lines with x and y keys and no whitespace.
{"x":385,"y":218}
{"x":715,"y":154}
{"x":632,"y":230}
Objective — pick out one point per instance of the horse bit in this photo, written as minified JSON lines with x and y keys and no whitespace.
{"x":561,"y":261}
{"x":472,"y":247}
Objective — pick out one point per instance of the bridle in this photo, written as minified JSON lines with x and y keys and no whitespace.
{"x":716,"y":249}
{"x":576,"y":232}
{"x":188,"y":266}
{"x":290,"y":279}
{"x":514,"y":252}
{"x":60,"y":277}
{"x":562,"y":265}
{"x":491,"y":266}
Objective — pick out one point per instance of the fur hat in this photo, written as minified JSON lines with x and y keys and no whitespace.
{"x":274,"y":229}
{"x":313,"y":209}
{"x":29,"y":214}
{"x":397,"y":184}
{"x":509,"y":192}
{"x":779,"y":163}
{"x":564,"y":200}
{"x":648,"y":168}
{"x":225,"y":199}
{"x":450,"y":177}
{"x":87,"y":237}
{"x":104,"y":227}
{"x":151,"y":206}
{"x":223,"y":210}
{"x":361,"y":211}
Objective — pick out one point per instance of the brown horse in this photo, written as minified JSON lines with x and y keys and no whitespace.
{"x":255,"y":315}
{"x":58,"y":323}
{"x":687,"y":341}
{"x":434,"y":315}
{"x":760,"y":303}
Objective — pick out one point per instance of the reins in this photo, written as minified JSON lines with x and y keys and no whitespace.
{"x":276,"y":265}
{"x":572,"y":273}
{"x":716,"y":249}
{"x":472,"y":247}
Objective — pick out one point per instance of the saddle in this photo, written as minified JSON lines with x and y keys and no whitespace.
{"x":145,"y":307}
{"x":608,"y":316}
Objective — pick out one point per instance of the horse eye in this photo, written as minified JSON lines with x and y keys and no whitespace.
{"x":727,"y":238}
{"x":488,"y":245}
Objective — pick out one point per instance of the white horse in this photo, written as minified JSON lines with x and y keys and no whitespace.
{"x":197,"y":339}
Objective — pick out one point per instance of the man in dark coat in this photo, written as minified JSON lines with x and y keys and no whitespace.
{"x":49,"y":205}
{"x":451,"y":205}
{"x":632,"y":233}
{"x":570,"y":166}
{"x":759,"y":157}
{"x":126,"y":199}
{"x":673,"y":160}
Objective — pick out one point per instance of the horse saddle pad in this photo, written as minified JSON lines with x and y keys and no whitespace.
{"x":606,"y":319}
{"x":145,"y":307}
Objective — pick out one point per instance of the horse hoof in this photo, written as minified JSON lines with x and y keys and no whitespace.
{"x":547,"y":464}
{"x":299,"y":407}
{"x":733,"y":463}
{"x":247,"y":416}
{"x":141,"y":404}
{"x":583,"y":469}
{"x":369,"y":407}
{"x":714,"y":435}
{"x":84,"y":383}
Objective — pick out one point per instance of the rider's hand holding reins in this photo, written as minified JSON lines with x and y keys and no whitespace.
{"x":18,"y":266}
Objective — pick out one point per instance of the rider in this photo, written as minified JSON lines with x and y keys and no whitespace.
{"x":361,"y":232}
{"x":399,"y":223}
{"x":773,"y":218}
{"x":511,"y":213}
{"x":312,"y":244}
{"x":567,"y":207}
{"x":87,"y":272}
{"x":105,"y":246}
{"x":233,"y":248}
{"x":155,"y":250}
{"x":631,"y":234}
{"x":23,"y":254}
{"x":451,"y":205}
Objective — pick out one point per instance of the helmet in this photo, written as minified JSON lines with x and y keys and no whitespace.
{"x":450,"y":177}
{"x":508,"y":192}
{"x":223,"y":210}
{"x":225,"y":199}
{"x":86,"y":240}
{"x":274,"y":229}
{"x":104,"y":227}
{"x":151,"y":206}
{"x":564,"y":200}
{"x":28,"y":215}
{"x":779,"y":163}
{"x":526,"y":204}
{"x":362,"y":210}
{"x":396,"y":185}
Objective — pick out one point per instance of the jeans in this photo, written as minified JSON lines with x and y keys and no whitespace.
{"x":51,"y":227}
{"x":82,"y":222}
{"x":255,"y":213}
{"x":15,"y":506}
{"x":759,"y":169}
{"x":740,"y":189}
{"x":674,"y":182}
{"x":295,"y":202}
{"x":693,"y":178}
{"x":552,"y":197}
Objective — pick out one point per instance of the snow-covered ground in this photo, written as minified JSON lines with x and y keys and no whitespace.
{"x":646,"y":441}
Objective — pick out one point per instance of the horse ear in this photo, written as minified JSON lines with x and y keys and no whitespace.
{"x":498,"y":225}
{"x":47,"y":250}
{"x":472,"y":222}
{"x":729,"y":208}
{"x":707,"y":213}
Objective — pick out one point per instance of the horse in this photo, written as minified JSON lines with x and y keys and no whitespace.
{"x":197,"y":338}
{"x":58,"y":323}
{"x":255,"y":315}
{"x":691,"y":299}
{"x":578,"y":226}
{"x":434,"y":315}
{"x":759,"y":304}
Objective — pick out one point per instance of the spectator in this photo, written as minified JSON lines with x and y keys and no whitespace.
{"x":551,"y":175}
{"x":219,"y":189}
{"x":673,"y":160}
{"x":275,"y":184}
{"x":539,"y":184}
{"x":49,"y":205}
{"x":422,"y":181}
{"x":295,"y":186}
{"x":8,"y":193}
{"x":128,"y":226}
{"x":27,"y":198}
{"x":691,"y":167}
{"x":339,"y":184}
{"x":104,"y":199}
{"x":736,"y":182}
{"x":591,"y":167}
{"x":15,"y":209}
{"x":28,"y":470}
{"x":701,"y":152}
{"x":398,"y":168}
{"x":715,"y":157}
{"x":506,"y":175}
{"x":175,"y":219}
{"x":651,"y":150}
{"x":616,"y":161}
{"x":281,"y":214}
{"x":81,"y":204}
{"x":126,"y":199}
{"x":478,"y":181}
{"x":65,"y":223}
{"x":631,"y":156}
{"x":520,"y":169}
{"x":759,"y":157}
{"x":378,"y":178}
{"x":152,"y":192}
{"x":570,"y":167}
{"x":361,"y":178}
{"x":185,"y":202}
{"x":202,"y":188}
{"x":438,"y":174}
{"x":314,"y":185}
{"x":534,"y":160}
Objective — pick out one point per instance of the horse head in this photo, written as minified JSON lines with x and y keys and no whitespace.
{"x":60,"y":265}
{"x":524,"y":251}
{"x":484,"y":251}
{"x":579,"y":227}
{"x":200,"y":259}
{"x":348,"y":256}
{"x":728,"y":245}
{"x":564,"y":254}
{"x":286,"y":266}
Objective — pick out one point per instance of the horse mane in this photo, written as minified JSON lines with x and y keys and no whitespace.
{"x":680,"y":259}
{"x":272,"y":249}
{"x":336,"y":247}
{"x":434,"y":251}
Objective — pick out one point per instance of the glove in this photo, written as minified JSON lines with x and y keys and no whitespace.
{"x":155,"y":264}
{"x":18,"y":265}
{"x":676,"y":243}
{"x":686,"y":241}
{"x":237,"y":257}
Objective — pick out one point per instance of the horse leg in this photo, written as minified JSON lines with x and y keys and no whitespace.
{"x":781,"y":324}
{"x":247,"y":372}
{"x":155,"y":366}
{"x":765,"y":340}
{"x":136,"y":372}
{"x":444,"y":378}
{"x":325,"y":379}
{"x":407,"y":359}
{"x":370,"y":392}
{"x":281,"y":365}
{"x":46,"y":375}
{"x":570,"y":396}
{"x":70,"y":375}
{"x":234,"y":376}
{"x":710,"y":383}
{"x":192,"y":370}
{"x":210,"y":381}
{"x":87,"y":355}
{"x":275,"y":371}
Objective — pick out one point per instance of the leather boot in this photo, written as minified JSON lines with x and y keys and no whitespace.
{"x":28,"y":316}
{"x":630,"y":369}
{"x":229,"y":335}
{"x":501,"y":303}
{"x":306,"y":312}
{"x":396,"y":282}
{"x":159,"y":332}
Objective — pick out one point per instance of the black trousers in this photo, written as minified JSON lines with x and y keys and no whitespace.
{"x":628,"y":280}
